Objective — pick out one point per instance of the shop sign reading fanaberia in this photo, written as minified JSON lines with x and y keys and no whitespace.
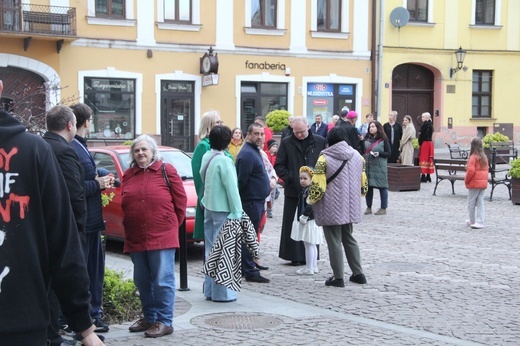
{"x":264,"y":66}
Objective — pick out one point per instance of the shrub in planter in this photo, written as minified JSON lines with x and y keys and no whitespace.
{"x":278,"y":119}
{"x":514,"y":171}
{"x":120,"y":299}
{"x":494,"y":137}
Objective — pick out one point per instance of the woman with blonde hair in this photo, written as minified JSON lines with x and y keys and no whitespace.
{"x":426,"y":148}
{"x":406,"y":146}
{"x":208,"y":121}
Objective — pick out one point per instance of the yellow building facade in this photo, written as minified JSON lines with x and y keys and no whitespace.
{"x":137,"y":63}
{"x":416,"y":59}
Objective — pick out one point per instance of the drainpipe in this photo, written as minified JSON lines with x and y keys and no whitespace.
{"x":380,"y":58}
{"x":373,"y":59}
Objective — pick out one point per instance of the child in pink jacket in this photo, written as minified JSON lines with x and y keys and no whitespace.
{"x":476,"y":181}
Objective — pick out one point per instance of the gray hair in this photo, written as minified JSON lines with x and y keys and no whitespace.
{"x":300,"y":118}
{"x":153,"y":147}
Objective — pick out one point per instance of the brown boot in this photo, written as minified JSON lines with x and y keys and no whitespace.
{"x":368,"y":211}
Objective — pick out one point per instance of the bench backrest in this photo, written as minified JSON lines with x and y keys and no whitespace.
{"x":503,"y":151}
{"x":456,"y":152}
{"x":451,"y":165}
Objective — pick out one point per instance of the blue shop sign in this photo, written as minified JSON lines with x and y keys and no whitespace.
{"x":346,"y":89}
{"x":320,"y":89}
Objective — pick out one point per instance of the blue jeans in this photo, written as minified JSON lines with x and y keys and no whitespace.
{"x":383,"y":193}
{"x":213,"y":221}
{"x":154,"y":277}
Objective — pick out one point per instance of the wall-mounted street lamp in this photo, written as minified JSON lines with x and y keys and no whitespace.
{"x":460,"y":54}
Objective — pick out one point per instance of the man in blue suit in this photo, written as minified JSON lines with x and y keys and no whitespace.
{"x":319,"y":127}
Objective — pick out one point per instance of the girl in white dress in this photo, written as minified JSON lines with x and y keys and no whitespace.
{"x":304,"y":227}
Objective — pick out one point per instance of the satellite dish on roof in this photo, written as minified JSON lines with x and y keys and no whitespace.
{"x":399,"y":17}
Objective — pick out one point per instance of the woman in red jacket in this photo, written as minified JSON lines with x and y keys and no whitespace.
{"x":154,"y":205}
{"x":476,"y":181}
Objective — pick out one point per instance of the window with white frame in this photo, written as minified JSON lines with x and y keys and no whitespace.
{"x":330,"y":18}
{"x":418,"y":10}
{"x":485,"y":12}
{"x":265,"y":17}
{"x":329,"y":15}
{"x":110,"y":8}
{"x":178,"y":11}
{"x":263,"y":13}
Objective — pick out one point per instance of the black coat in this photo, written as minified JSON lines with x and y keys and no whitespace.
{"x":293,"y":154}
{"x":74,"y":175}
{"x":92,"y":189}
{"x":398,"y":134}
{"x":353,"y":135}
{"x":426,"y":132}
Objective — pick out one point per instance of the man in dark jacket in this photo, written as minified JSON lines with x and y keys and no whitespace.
{"x":61,"y":129}
{"x":347,"y":119}
{"x":300,"y":149}
{"x":94,"y":183}
{"x":254,"y":186}
{"x":39,"y":243}
{"x":394,"y":132}
{"x":319,"y":127}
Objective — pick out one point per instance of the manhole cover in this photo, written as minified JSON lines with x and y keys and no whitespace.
{"x":243,"y":322}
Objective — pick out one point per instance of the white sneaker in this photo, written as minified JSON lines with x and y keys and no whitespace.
{"x":469,"y":223}
{"x":477,"y":225}
{"x":305,"y":271}
{"x":316,"y":270}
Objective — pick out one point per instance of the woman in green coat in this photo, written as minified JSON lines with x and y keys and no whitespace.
{"x":207,"y":122}
{"x":377,"y":152}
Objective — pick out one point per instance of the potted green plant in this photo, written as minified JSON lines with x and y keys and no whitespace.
{"x":277,"y":120}
{"x":514,"y":173}
{"x":494,"y":137}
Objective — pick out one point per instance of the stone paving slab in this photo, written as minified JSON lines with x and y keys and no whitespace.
{"x":431,"y":280}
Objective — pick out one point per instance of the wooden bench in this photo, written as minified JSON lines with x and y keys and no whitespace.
{"x":47,"y":18}
{"x":449,"y":169}
{"x":504,"y":151}
{"x":456,"y":152}
{"x":498,"y":176}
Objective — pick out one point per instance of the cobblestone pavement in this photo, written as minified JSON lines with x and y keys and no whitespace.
{"x":431,"y":280}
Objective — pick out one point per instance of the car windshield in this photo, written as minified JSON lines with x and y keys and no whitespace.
{"x":178,"y":159}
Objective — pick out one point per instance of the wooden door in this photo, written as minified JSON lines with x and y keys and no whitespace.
{"x":412,"y":92}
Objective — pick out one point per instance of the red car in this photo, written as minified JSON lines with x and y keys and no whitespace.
{"x":116,"y":159}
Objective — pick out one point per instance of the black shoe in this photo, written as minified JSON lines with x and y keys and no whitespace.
{"x":101,"y":326}
{"x":428,"y":178}
{"x":261,"y":267}
{"x":359,"y":279}
{"x":423,"y":178}
{"x":334,"y":282}
{"x":297,"y":263}
{"x":259,"y":279}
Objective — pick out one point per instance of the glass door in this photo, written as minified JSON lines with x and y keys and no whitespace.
{"x":177,"y":126}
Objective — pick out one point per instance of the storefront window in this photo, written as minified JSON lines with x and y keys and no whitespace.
{"x":327,"y":99}
{"x":272,"y":96}
{"x":113,"y":104}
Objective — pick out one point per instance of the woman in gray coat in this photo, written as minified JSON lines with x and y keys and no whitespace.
{"x":377,"y":152}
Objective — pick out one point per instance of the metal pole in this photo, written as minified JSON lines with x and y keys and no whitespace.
{"x":183,"y":257}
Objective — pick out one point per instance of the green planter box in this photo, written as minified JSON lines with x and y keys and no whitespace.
{"x":403,"y":178}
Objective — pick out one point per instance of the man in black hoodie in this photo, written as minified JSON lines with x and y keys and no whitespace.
{"x":39,"y":242}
